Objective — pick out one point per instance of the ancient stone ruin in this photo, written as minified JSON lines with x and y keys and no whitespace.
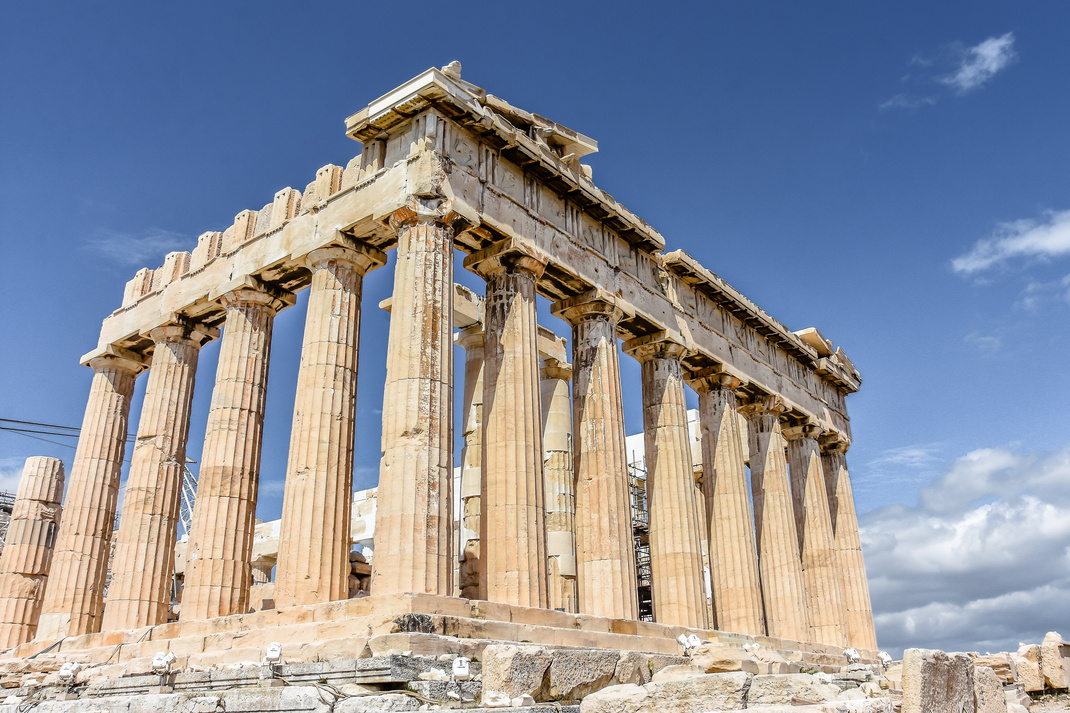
{"x":545,"y":580}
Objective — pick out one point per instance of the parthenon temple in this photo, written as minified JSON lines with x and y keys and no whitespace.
{"x":542,"y":548}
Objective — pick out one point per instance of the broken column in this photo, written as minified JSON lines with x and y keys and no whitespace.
{"x":783,"y":592}
{"x":737,"y":595}
{"x":560,"y":496}
{"x":218,"y":555}
{"x":858,"y":612}
{"x":313,"y":561}
{"x":512,"y":499}
{"x":139,"y":594}
{"x":605,"y":554}
{"x":813,"y":526}
{"x":678,"y":590}
{"x":27,"y":555}
{"x":414,"y":516}
{"x":471,"y":339}
{"x":73,"y":605}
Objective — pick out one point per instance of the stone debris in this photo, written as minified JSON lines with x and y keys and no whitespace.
{"x":792,"y":689}
{"x":936,"y":682}
{"x":1002,"y":664}
{"x":1027,"y":664}
{"x":1055,"y":661}
{"x":988,"y":691}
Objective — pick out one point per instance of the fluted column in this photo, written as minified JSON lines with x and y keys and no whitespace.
{"x":605,"y":554}
{"x":783,"y":592}
{"x":144,"y":546}
{"x":414,"y":514}
{"x":74,"y":601}
{"x":846,"y":543}
{"x":27,"y":556}
{"x":678,"y":590}
{"x":813,"y":525}
{"x":737,"y":594}
{"x":512,"y":502}
{"x":471,"y":339}
{"x":221,"y":538}
{"x":560,"y":495}
{"x":313,"y":564}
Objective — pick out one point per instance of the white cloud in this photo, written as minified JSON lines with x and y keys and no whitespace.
{"x":982,"y":62}
{"x":982,"y":563}
{"x":906,"y":101}
{"x":1042,"y":239}
{"x":960,"y":69}
{"x":10,"y":473}
{"x":142,"y":250}
{"x":989,"y":343}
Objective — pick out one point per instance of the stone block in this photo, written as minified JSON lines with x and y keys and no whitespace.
{"x":988,"y":691}
{"x":791,"y":689}
{"x":1002,"y":664}
{"x":706,"y":692}
{"x":677,"y":673}
{"x":515,"y":670}
{"x":1027,"y":664}
{"x":715,"y":658}
{"x":638,"y":667}
{"x":575,"y":674}
{"x":386,"y":703}
{"x":1055,"y":661}
{"x":936,"y":682}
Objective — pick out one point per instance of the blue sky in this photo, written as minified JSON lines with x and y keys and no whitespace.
{"x":891,"y":174}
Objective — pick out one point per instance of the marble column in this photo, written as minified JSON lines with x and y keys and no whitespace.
{"x":783,"y":592}
{"x":678,"y":590}
{"x":313,"y":563}
{"x":813,"y":526}
{"x":414,"y":515}
{"x":471,"y":339}
{"x":261,"y":570}
{"x":605,"y":553}
{"x":27,"y":556}
{"x":512,"y":499}
{"x":139,"y":594}
{"x":221,"y":537}
{"x":74,"y":601}
{"x":847,"y":545}
{"x":560,"y":495}
{"x":737,"y":594}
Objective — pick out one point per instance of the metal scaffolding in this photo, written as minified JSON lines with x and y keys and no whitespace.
{"x":641,"y":537}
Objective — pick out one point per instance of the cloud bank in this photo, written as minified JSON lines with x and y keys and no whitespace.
{"x":982,"y":562}
{"x":1036,"y":239}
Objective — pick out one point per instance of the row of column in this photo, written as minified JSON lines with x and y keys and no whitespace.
{"x":414,"y":543}
{"x":315,"y":542}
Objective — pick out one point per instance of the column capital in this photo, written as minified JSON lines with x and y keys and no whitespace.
{"x":364,"y":258}
{"x":834,"y":442}
{"x":659,"y":345}
{"x":511,"y":255}
{"x":770,"y":404}
{"x":595,"y":303}
{"x":470,"y":338}
{"x":554,"y":369}
{"x":180,"y":329}
{"x":113,"y":357}
{"x":423,"y":209}
{"x":808,"y":431}
{"x":715,"y":378}
{"x":271,"y":299}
